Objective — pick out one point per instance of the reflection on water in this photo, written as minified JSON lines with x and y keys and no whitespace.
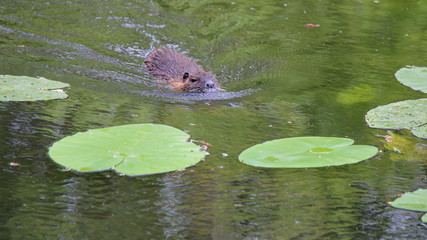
{"x":282,"y":80}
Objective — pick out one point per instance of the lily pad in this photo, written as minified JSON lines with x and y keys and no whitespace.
{"x":135,"y":149}
{"x":420,"y":131}
{"x":23,"y":88}
{"x":416,"y":201}
{"x":409,"y":114}
{"x":306,"y":152}
{"x":413,"y":77}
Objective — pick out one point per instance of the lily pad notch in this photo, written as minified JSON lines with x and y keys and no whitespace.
{"x":133,"y":150}
{"x":306,"y":152}
{"x":23,"y":88}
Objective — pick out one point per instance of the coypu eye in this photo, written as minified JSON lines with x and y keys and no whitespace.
{"x":186,"y":75}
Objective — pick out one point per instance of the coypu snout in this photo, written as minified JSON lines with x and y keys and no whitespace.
{"x":210,"y":84}
{"x":179,"y":71}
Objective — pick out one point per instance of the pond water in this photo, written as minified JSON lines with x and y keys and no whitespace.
{"x":282,"y":79}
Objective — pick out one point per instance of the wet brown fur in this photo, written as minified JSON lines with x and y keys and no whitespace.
{"x":179,"y":71}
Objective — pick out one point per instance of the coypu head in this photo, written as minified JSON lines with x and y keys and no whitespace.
{"x":200,"y":81}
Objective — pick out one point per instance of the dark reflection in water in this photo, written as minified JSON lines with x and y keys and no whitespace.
{"x":191,"y":97}
{"x":282,"y":80}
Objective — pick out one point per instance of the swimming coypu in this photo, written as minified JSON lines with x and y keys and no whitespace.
{"x":182,"y":73}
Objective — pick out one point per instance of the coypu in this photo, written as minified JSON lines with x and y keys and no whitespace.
{"x":182,"y":73}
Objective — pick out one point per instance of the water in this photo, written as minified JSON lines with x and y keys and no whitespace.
{"x":282,"y":80}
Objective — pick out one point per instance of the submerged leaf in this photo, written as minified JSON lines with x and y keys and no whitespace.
{"x":306,"y":152}
{"x":356,"y":94}
{"x":23,"y":88}
{"x":405,"y":147}
{"x":135,"y":149}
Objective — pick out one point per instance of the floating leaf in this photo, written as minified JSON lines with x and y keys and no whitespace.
{"x":409,"y":114}
{"x":135,"y":149}
{"x":420,"y":131}
{"x":306,"y":152}
{"x":416,"y":201}
{"x":23,"y":88}
{"x":413,"y":77}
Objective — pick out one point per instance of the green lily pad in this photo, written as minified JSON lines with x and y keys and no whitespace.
{"x":409,"y":114}
{"x":416,"y":201}
{"x":23,"y":88}
{"x":135,"y":149}
{"x":420,"y":131}
{"x":306,"y":152}
{"x":413,"y":77}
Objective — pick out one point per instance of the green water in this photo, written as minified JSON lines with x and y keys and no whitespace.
{"x":282,"y":80}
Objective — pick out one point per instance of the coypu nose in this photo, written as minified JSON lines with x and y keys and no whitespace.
{"x":210,"y":84}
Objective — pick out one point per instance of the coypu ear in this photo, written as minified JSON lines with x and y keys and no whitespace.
{"x":186,"y":75}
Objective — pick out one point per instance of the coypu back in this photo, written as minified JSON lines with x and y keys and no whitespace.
{"x":166,"y":63}
{"x":182,"y":73}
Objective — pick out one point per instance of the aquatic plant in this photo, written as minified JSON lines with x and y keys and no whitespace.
{"x":23,"y":88}
{"x":135,"y":149}
{"x":306,"y":152}
{"x":416,"y":201}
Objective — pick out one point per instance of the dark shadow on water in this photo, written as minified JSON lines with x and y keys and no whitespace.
{"x":185,"y":97}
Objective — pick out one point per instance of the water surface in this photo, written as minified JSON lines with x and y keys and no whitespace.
{"x":282,"y":80}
